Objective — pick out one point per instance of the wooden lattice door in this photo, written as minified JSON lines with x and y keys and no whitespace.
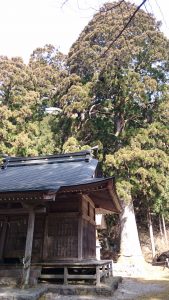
{"x":14,"y":248}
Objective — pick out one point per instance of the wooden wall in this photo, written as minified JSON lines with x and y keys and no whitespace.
{"x":70,"y":229}
{"x":89,"y":229}
{"x":14,"y":247}
{"x":37,"y":250}
{"x":65,"y":231}
{"x":61,"y":239}
{"x":15,"y":227}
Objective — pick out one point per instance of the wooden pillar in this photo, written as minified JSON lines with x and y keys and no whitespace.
{"x":104,"y":273}
{"x":3,"y":237}
{"x":97,"y":275}
{"x":111,"y":268}
{"x":80,"y":238}
{"x":80,"y":229}
{"x":28,"y":248}
{"x":45,"y":239}
{"x":65,"y":275}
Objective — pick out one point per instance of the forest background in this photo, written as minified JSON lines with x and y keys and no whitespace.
{"x":108,"y":91}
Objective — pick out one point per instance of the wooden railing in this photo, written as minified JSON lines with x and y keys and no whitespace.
{"x":84,"y":270}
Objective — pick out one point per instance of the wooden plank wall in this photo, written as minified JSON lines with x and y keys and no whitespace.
{"x":37,"y":249}
{"x":62,"y":241}
{"x":66,"y":231}
{"x":89,"y":229}
{"x":15,"y":237}
{"x":61,"y":232}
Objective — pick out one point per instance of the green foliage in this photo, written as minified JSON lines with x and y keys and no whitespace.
{"x":72,"y":145}
{"x":142,"y":167}
{"x":120,"y":98}
{"x":118,"y":91}
{"x":46,"y":65}
{"x":25,"y":91}
{"x":117,"y":99}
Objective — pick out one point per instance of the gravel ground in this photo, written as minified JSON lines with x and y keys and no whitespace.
{"x":131,"y":289}
{"x":153,"y":286}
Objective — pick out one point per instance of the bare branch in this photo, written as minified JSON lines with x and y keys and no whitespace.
{"x":102,"y":10}
{"x":105,"y":10}
{"x":63,"y":3}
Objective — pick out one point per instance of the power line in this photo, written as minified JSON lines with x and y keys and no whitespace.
{"x":148,"y":2}
{"x":124,"y":28}
{"x":147,"y":9}
{"x":161,"y":12}
{"x":152,"y":12}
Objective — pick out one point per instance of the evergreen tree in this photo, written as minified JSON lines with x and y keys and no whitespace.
{"x":125,"y":89}
{"x":25,"y":91}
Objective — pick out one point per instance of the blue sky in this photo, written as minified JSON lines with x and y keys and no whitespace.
{"x":28,"y":24}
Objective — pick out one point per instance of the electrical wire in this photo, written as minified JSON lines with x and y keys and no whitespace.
{"x":124,"y":28}
{"x":161,"y":12}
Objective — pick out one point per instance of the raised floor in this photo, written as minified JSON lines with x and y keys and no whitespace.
{"x":93,"y":271}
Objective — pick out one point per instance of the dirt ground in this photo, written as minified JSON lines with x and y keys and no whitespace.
{"x":153,"y":286}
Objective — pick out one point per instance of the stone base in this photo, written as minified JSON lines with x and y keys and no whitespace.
{"x":51,"y":292}
{"x":105,"y":289}
{"x":13,"y":275}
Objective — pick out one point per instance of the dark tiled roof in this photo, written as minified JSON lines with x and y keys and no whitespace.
{"x":47,"y":172}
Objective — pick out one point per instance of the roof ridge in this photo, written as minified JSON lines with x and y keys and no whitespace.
{"x":47,"y":159}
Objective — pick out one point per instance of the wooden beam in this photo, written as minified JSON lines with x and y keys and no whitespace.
{"x":114,"y":197}
{"x":80,"y":231}
{"x":80,"y":238}
{"x":86,"y":197}
{"x":49,"y":197}
{"x":18,"y":211}
{"x":65,"y":275}
{"x":3,"y":237}
{"x":97,"y":275}
{"x":28,"y":248}
{"x":45,"y":240}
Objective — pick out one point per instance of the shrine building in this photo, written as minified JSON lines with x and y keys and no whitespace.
{"x":47,"y":217}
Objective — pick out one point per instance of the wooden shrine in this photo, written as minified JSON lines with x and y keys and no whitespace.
{"x":47,"y":216}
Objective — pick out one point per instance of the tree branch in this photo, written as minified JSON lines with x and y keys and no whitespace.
{"x":63,"y":3}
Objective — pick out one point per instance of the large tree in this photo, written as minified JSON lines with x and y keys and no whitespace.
{"x":25,"y":92}
{"x":119,"y":90}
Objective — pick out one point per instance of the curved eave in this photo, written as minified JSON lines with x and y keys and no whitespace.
{"x":101,"y":191}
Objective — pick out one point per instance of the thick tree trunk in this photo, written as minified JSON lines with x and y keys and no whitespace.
{"x":160,"y":227}
{"x":164,"y":230}
{"x":151,"y":235}
{"x":130,"y":249}
{"x":161,"y":230}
